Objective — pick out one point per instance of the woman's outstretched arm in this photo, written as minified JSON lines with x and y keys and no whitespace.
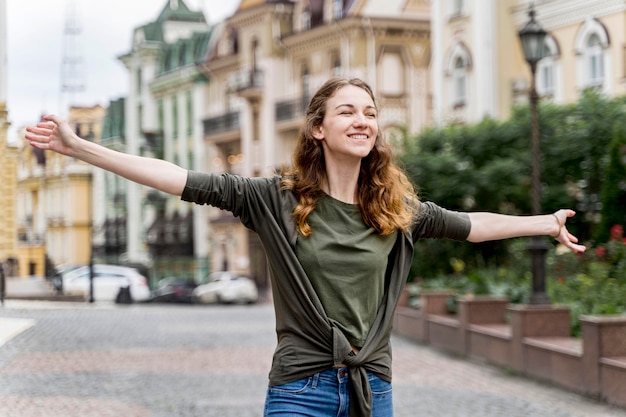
{"x":492,"y":226}
{"x":54,"y":134}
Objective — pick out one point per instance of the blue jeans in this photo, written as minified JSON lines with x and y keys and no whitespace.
{"x":324,"y":395}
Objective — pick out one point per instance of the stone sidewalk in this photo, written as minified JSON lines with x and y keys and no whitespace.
{"x":100,"y":360}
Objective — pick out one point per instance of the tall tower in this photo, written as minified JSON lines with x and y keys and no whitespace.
{"x":72,"y":66}
{"x":3,"y":53}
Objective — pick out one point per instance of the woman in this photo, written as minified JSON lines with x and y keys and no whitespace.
{"x":338,"y":228}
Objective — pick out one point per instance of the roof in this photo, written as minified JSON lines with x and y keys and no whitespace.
{"x":177,"y":10}
{"x":174,"y":11}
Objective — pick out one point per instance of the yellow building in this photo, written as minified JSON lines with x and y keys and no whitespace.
{"x":8,"y":174}
{"x":54,"y":201}
{"x":8,"y":160}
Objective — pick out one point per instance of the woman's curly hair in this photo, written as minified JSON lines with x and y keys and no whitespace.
{"x":386,"y":197}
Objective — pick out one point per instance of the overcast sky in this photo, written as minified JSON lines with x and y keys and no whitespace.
{"x":35,"y":36}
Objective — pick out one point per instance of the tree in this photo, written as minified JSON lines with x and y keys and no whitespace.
{"x":613,"y":192}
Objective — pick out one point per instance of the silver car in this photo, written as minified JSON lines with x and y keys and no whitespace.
{"x":109,"y":283}
{"x":226,"y":287}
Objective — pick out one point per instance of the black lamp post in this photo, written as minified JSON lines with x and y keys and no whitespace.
{"x":532,"y":37}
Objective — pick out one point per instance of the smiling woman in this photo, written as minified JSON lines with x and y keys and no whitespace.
{"x":338,"y":227}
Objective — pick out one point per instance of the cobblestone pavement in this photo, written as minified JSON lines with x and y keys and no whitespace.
{"x":75,"y":359}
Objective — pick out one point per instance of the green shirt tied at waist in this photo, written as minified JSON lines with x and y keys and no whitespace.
{"x":308,"y":341}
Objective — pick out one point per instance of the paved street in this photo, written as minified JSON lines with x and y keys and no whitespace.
{"x":77,"y":359}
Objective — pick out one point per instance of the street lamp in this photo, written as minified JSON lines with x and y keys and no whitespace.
{"x":532,"y":37}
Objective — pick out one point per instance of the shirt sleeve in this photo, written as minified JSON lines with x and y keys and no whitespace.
{"x":437,"y":222}
{"x":248,"y":199}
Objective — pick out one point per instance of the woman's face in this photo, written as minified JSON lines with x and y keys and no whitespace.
{"x":350,"y":125}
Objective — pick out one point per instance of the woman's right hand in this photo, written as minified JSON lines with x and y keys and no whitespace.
{"x":53,"y":134}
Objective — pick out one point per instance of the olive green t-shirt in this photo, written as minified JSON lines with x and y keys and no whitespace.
{"x":345,"y":261}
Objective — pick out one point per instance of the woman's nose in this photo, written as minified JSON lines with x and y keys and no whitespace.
{"x":359,"y":119}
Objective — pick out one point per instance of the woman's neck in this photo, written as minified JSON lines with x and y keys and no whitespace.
{"x":341,"y":183}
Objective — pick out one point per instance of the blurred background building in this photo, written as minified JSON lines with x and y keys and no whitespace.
{"x":478,"y":67}
{"x":54,"y":201}
{"x":230,"y":97}
{"x":8,"y":160}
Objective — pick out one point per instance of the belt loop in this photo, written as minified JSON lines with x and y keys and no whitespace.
{"x":314,"y":379}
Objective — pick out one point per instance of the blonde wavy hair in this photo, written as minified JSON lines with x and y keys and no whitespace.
{"x":386,"y":197}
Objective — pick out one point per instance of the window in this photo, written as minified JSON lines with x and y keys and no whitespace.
{"x":306,"y":83}
{"x":458,"y":68}
{"x":256,"y":53}
{"x":182,"y":55}
{"x":457,"y":7}
{"x":174,"y":117}
{"x":338,"y":9}
{"x":391,"y":82}
{"x":160,"y":114}
{"x":189,"y":112}
{"x":335,"y":64}
{"x":459,"y":77}
{"x":138,"y":80}
{"x":306,"y":19}
{"x":595,"y":60}
{"x":546,"y":69}
{"x":592,"y":40}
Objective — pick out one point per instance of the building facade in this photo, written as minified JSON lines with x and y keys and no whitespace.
{"x":8,"y":161}
{"x":162,"y":118}
{"x":54,"y":201}
{"x":479,"y":70}
{"x":268,"y":60}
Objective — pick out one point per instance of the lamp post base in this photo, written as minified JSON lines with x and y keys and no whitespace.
{"x":537,"y":247}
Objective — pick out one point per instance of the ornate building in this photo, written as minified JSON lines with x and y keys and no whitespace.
{"x":162,"y":118}
{"x":478,"y":68}
{"x":54,"y":201}
{"x":269,"y":59}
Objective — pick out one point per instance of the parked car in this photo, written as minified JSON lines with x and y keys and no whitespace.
{"x":58,"y":273}
{"x":111,"y":283}
{"x":226,"y":287}
{"x":173,"y":290}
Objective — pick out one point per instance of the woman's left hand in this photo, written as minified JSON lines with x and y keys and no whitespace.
{"x":562,"y":234}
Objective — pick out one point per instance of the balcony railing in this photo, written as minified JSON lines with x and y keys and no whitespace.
{"x":221,"y":124}
{"x":291,"y":109}
{"x":246,"y":82}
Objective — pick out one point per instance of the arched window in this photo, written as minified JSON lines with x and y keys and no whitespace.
{"x":459,"y":77}
{"x":547,"y":69}
{"x":595,"y":60}
{"x":459,"y":65}
{"x":592,"y":42}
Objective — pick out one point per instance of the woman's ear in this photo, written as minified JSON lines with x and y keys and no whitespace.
{"x":318,"y":132}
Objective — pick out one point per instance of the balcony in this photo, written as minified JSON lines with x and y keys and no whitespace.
{"x":227,"y":122}
{"x":246,"y":83}
{"x":289,"y":110}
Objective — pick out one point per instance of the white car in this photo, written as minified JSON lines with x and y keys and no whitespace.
{"x":108,"y":281}
{"x":226,"y":287}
